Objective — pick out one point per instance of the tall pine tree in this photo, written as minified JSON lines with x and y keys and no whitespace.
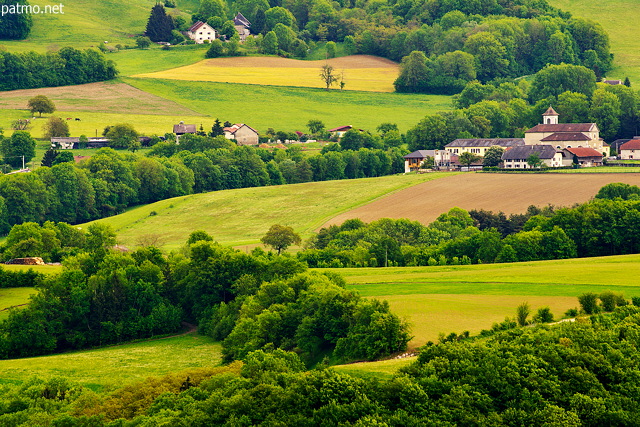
{"x":160,"y":25}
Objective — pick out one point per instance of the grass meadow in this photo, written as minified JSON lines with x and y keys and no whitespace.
{"x":444,"y":299}
{"x":111,"y":367}
{"x":290,"y":108}
{"x":225,"y":214}
{"x":616,"y":18}
{"x":13,"y":297}
{"x":87,"y":23}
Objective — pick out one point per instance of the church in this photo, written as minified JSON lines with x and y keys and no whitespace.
{"x":565,"y":135}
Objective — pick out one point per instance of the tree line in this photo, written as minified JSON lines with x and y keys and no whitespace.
{"x":247,"y":301}
{"x":68,"y":66}
{"x":574,"y":374}
{"x":111,"y":181}
{"x":607,"y":225}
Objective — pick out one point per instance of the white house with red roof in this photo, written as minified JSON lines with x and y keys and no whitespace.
{"x":201,"y":32}
{"x":584,"y":156}
{"x":243,"y":134}
{"x":565,"y":135}
{"x":630,"y":150}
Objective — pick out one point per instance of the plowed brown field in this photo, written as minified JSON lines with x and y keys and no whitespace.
{"x":509,"y":193}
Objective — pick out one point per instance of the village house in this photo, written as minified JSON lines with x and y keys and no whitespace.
{"x":201,"y":32}
{"x":565,"y":135}
{"x":340,"y":130}
{"x":243,"y":134}
{"x":479,"y":146}
{"x":182,"y":129}
{"x":413,"y":161}
{"x":242,"y":26}
{"x":516,"y":157}
{"x":584,"y":156}
{"x":630,"y":150}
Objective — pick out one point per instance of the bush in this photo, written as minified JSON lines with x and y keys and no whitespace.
{"x":572,"y":312}
{"x":543,"y":315}
{"x":589,"y":302}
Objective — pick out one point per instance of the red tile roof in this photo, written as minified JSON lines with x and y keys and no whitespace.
{"x":550,"y":112}
{"x":341,"y":128}
{"x":633,"y":144}
{"x":584,"y":152}
{"x":196,"y":26}
{"x":566,"y":136}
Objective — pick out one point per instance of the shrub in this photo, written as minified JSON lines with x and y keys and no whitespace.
{"x":589,"y":302}
{"x":543,"y":315}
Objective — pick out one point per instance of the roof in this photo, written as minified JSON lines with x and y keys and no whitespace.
{"x":550,"y":112}
{"x":613,"y":82}
{"x":523,"y":152}
{"x":181,"y":129}
{"x":421,"y":154}
{"x":341,"y":128}
{"x":196,"y":26}
{"x":233,"y":129}
{"x":584,"y":152}
{"x":241,"y":20}
{"x":486,"y":142}
{"x":564,"y":127}
{"x":566,"y":136}
{"x":633,"y":144}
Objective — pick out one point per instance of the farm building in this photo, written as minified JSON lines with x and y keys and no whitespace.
{"x":242,"y":26}
{"x":565,"y":135}
{"x":73,"y":143}
{"x":243,"y":134}
{"x":413,"y":161}
{"x":585,"y":157}
{"x":630,"y":150}
{"x":201,"y":32}
{"x":340,"y":130}
{"x":181,"y":129}
{"x":480,"y":145}
{"x":516,"y":157}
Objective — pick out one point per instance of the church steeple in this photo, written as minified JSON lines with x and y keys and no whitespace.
{"x":550,"y":117}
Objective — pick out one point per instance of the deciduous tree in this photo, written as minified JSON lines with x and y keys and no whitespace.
{"x":55,"y":127}
{"x":41,"y":104}
{"x":280,"y":237}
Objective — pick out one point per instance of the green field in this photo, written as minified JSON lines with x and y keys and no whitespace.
{"x":290,"y":108}
{"x":13,"y":297}
{"x":111,"y":367}
{"x":136,"y":61}
{"x":225,"y":214}
{"x":616,"y":17}
{"x":88,"y":23}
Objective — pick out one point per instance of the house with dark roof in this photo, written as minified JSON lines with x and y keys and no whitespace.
{"x":479,"y":146}
{"x":181,"y":129}
{"x":630,"y":150}
{"x":516,"y":157}
{"x":201,"y":32}
{"x":242,"y":26}
{"x":243,"y":134}
{"x":584,"y":156}
{"x":565,"y":135}
{"x":413,"y":161}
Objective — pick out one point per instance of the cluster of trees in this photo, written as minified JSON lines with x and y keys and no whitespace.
{"x":506,"y":109}
{"x":444,"y":59}
{"x":162,"y":27}
{"x":575,"y":374}
{"x":68,"y":66}
{"x":16,"y":148}
{"x":249,"y":301}
{"x":597,"y":228}
{"x":13,"y":25}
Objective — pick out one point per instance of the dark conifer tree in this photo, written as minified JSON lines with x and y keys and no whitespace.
{"x":259,"y":22}
{"x":160,"y":25}
{"x":216,"y":129}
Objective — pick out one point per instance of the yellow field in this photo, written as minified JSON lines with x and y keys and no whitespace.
{"x":361,"y":72}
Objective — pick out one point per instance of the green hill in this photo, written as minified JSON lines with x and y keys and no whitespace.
{"x":87,"y":23}
{"x":241,"y":217}
{"x":617,"y":17}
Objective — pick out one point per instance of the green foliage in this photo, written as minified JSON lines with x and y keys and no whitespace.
{"x":122,"y":135}
{"x":588,"y":302}
{"x":522,"y":313}
{"x":15,"y":24}
{"x":618,"y":190}
{"x":41,"y":104}
{"x":493,"y":156}
{"x":554,"y":80}
{"x":543,"y":315}
{"x":159,"y":25}
{"x":32,"y":70}
{"x":280,"y":237}
{"x":55,"y":127}
{"x":20,"y":144}
{"x":143,"y":42}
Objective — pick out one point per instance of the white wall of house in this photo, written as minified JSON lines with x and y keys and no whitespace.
{"x":204,"y":34}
